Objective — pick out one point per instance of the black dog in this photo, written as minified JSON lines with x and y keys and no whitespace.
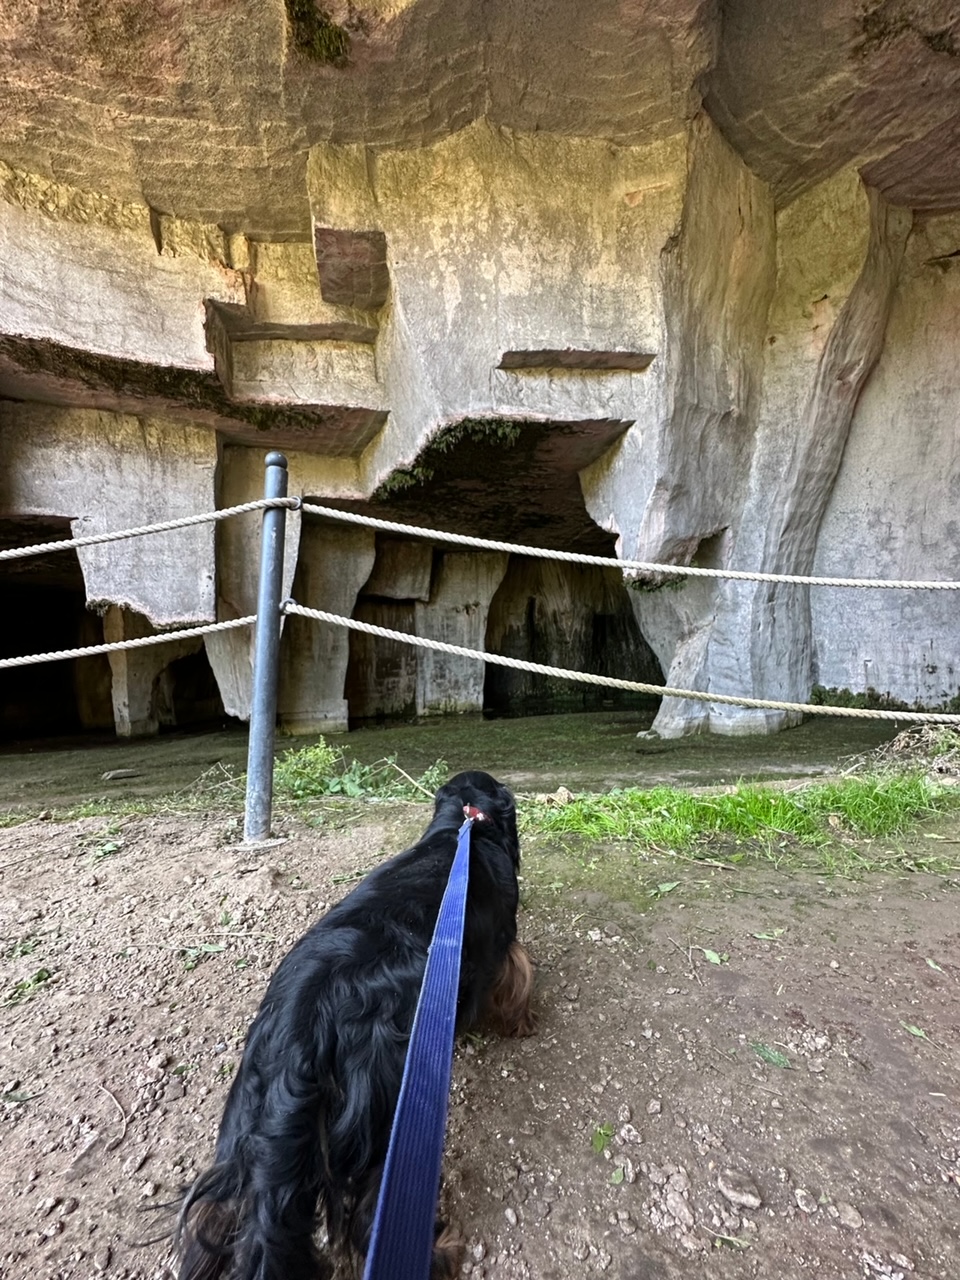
{"x":306,"y":1126}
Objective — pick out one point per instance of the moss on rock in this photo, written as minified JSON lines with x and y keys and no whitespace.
{"x":315,"y":34}
{"x":500,"y":431}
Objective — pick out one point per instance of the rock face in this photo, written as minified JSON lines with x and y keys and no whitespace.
{"x":781,"y":639}
{"x":672,"y":281}
{"x":778,"y":647}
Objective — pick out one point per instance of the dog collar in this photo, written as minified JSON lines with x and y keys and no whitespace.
{"x":471,"y":811}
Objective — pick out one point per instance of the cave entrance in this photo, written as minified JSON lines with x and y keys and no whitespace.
{"x":516,"y":481}
{"x":43,"y":604}
{"x":186,"y":694}
{"x":577,"y":617}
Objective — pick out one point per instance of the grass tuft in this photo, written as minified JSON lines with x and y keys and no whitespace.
{"x":27,"y":988}
{"x":314,"y":772}
{"x":301,"y":775}
{"x":882,"y":805}
{"x":670,"y":818}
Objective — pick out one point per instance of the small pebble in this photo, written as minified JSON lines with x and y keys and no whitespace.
{"x":849,"y":1216}
{"x":805,"y":1201}
{"x":678,"y":1207}
{"x":738,"y":1189}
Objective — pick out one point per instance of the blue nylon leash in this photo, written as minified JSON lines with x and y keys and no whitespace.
{"x":401,"y":1244}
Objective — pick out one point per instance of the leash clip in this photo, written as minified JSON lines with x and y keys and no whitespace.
{"x":471,"y":811}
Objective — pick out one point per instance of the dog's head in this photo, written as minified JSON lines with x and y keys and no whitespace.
{"x":476,"y":794}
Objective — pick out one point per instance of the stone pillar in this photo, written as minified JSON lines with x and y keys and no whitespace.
{"x":382,"y":676}
{"x":93,"y":678}
{"x":719,"y":274}
{"x":457,"y":614}
{"x":334,"y":563}
{"x":382,"y":679}
{"x":141,"y":702}
{"x":402,"y":571}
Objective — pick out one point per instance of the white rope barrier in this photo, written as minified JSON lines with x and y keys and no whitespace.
{"x":142,"y":642}
{"x":633,"y":566}
{"x":612,"y":682}
{"x":487,"y":544}
{"x":484,"y":544}
{"x":93,"y":539}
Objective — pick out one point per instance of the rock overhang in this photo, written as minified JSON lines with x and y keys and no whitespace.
{"x":511,"y":480}
{"x":209,"y":113}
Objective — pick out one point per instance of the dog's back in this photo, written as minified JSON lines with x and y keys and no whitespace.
{"x":307,"y":1119}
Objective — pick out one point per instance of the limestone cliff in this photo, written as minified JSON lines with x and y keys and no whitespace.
{"x":666,"y":279}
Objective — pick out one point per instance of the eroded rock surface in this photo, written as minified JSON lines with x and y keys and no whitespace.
{"x":704,"y":256}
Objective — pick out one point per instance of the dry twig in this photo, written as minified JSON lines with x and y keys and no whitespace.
{"x":124,"y":1118}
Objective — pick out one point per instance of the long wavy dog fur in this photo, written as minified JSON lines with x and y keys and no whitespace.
{"x":306,"y":1124}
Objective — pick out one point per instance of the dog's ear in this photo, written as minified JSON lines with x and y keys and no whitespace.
{"x":448,"y":797}
{"x":508,"y":809}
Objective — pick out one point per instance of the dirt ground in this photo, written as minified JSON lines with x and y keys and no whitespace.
{"x":774,"y":1114}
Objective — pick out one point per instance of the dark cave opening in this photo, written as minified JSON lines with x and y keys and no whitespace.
{"x":516,"y":481}
{"x":44,"y":608}
{"x":43,"y":604}
{"x":576,"y":617}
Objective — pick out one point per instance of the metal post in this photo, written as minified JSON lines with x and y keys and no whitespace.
{"x":263,"y":706}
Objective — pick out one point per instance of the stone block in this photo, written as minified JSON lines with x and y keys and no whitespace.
{"x":141,"y":699}
{"x":114,"y":471}
{"x":238,"y":564}
{"x":402,"y":569}
{"x":382,"y":674}
{"x":456,"y":614}
{"x":353,"y":267}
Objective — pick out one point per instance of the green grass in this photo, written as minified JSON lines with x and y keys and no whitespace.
{"x":640,"y":846}
{"x":27,"y":988}
{"x":309,"y":773}
{"x":667,"y":818}
{"x":883,"y":805}
{"x":836,"y":823}
{"x":22,"y":947}
{"x":320,"y":771}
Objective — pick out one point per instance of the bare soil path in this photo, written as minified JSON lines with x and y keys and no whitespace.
{"x":790,"y":1111}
